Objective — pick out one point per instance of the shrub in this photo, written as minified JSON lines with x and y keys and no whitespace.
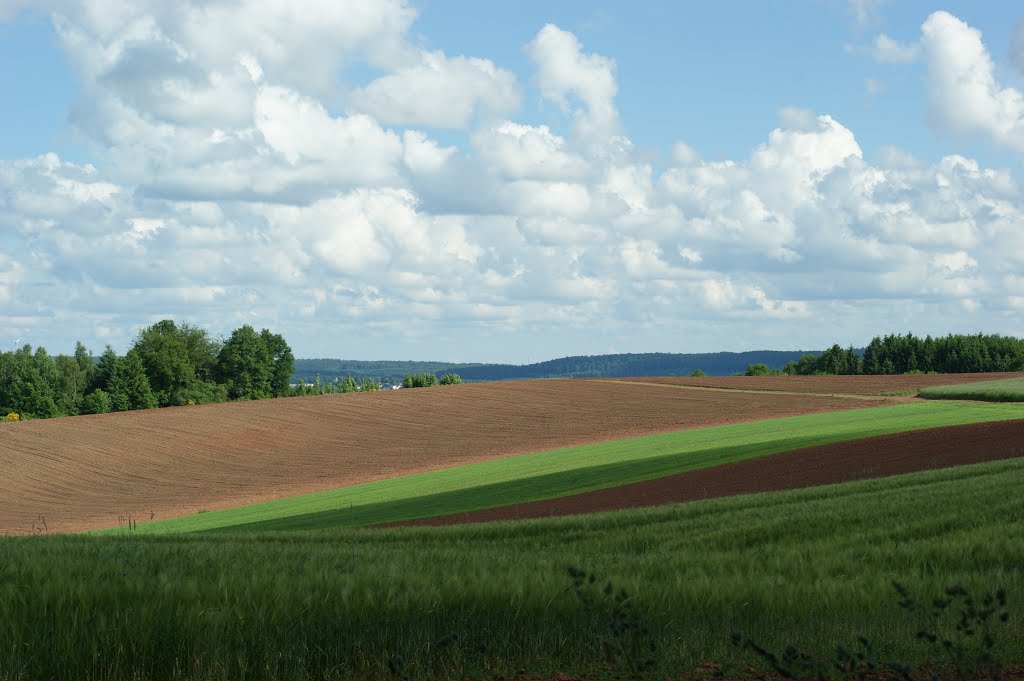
{"x":697,"y":373}
{"x":450,"y":379}
{"x":13,"y":417}
{"x":96,"y":402}
{"x":762,"y":370}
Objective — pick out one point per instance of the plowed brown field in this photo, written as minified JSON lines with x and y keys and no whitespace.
{"x":826,"y":385}
{"x":873,"y":457}
{"x":83,"y":472}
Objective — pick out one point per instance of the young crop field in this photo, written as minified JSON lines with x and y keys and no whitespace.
{"x":862,"y":459}
{"x":1007,"y":390}
{"x":561,"y":472}
{"x":811,"y":568}
{"x":85,"y":472}
{"x":828,"y":385}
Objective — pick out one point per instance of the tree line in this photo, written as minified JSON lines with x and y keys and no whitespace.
{"x":167,"y":365}
{"x":903,"y":354}
{"x":392,"y":372}
{"x":318,"y":386}
{"x":429,"y":380}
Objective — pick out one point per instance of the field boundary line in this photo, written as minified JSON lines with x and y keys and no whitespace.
{"x":852,"y":396}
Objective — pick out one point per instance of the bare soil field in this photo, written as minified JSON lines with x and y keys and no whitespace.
{"x":83,"y":472}
{"x":873,"y":457}
{"x":825,"y":385}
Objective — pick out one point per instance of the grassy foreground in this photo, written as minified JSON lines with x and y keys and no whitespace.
{"x":576,"y":469}
{"x":810,"y":567}
{"x":1007,"y":390}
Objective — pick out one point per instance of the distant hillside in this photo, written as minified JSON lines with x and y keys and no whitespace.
{"x":594,"y":366}
{"x":387,"y":371}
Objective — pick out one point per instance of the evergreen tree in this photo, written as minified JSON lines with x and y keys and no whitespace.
{"x":104,"y":370}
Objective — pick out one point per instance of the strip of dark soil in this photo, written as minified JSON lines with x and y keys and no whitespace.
{"x":872,"y":457}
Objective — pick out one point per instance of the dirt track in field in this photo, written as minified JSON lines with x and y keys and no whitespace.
{"x":84,"y":472}
{"x":825,"y":385}
{"x":873,"y":457}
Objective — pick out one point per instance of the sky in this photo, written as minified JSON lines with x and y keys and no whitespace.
{"x":511,"y":182}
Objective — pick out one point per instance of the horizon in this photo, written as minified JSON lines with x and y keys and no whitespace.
{"x":499,"y":183}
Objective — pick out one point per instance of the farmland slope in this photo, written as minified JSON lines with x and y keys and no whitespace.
{"x":1007,"y":390}
{"x":828,"y":385}
{"x":837,"y":462}
{"x":81,"y":473}
{"x":812,"y":568}
{"x":566,"y":471}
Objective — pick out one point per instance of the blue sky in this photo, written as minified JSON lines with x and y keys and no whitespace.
{"x":481,"y":182}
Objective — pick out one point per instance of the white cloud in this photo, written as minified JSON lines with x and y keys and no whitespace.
{"x":423,"y":155}
{"x":440,"y":92}
{"x":233,"y":185}
{"x":866,"y":12}
{"x":302,"y":131}
{"x":885,"y":50}
{"x":528,"y":152}
{"x":957,"y":261}
{"x":745,"y":300}
{"x":563,"y":69}
{"x":963,"y":95}
{"x":798,"y":154}
{"x":690,"y":255}
{"x":684,"y":155}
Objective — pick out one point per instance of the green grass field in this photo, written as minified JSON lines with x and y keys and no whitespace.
{"x":561,"y":472}
{"x":812,"y":568}
{"x":1008,"y":390}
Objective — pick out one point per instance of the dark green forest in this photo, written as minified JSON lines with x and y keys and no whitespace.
{"x":896,"y":354}
{"x":167,"y":365}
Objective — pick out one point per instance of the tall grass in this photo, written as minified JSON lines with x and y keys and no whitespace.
{"x":570,"y":470}
{"x":811,"y":566}
{"x":1008,"y":390}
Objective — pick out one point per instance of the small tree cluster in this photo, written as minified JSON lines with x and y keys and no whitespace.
{"x":167,"y":365}
{"x":426,"y":380}
{"x":760,"y":369}
{"x":344,"y":385}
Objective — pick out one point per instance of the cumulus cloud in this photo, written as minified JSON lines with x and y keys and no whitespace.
{"x":563,"y":69}
{"x":235,"y":183}
{"x":528,"y":152}
{"x":963,"y":94}
{"x":302,"y":131}
{"x":423,"y":155}
{"x":440,"y":92}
